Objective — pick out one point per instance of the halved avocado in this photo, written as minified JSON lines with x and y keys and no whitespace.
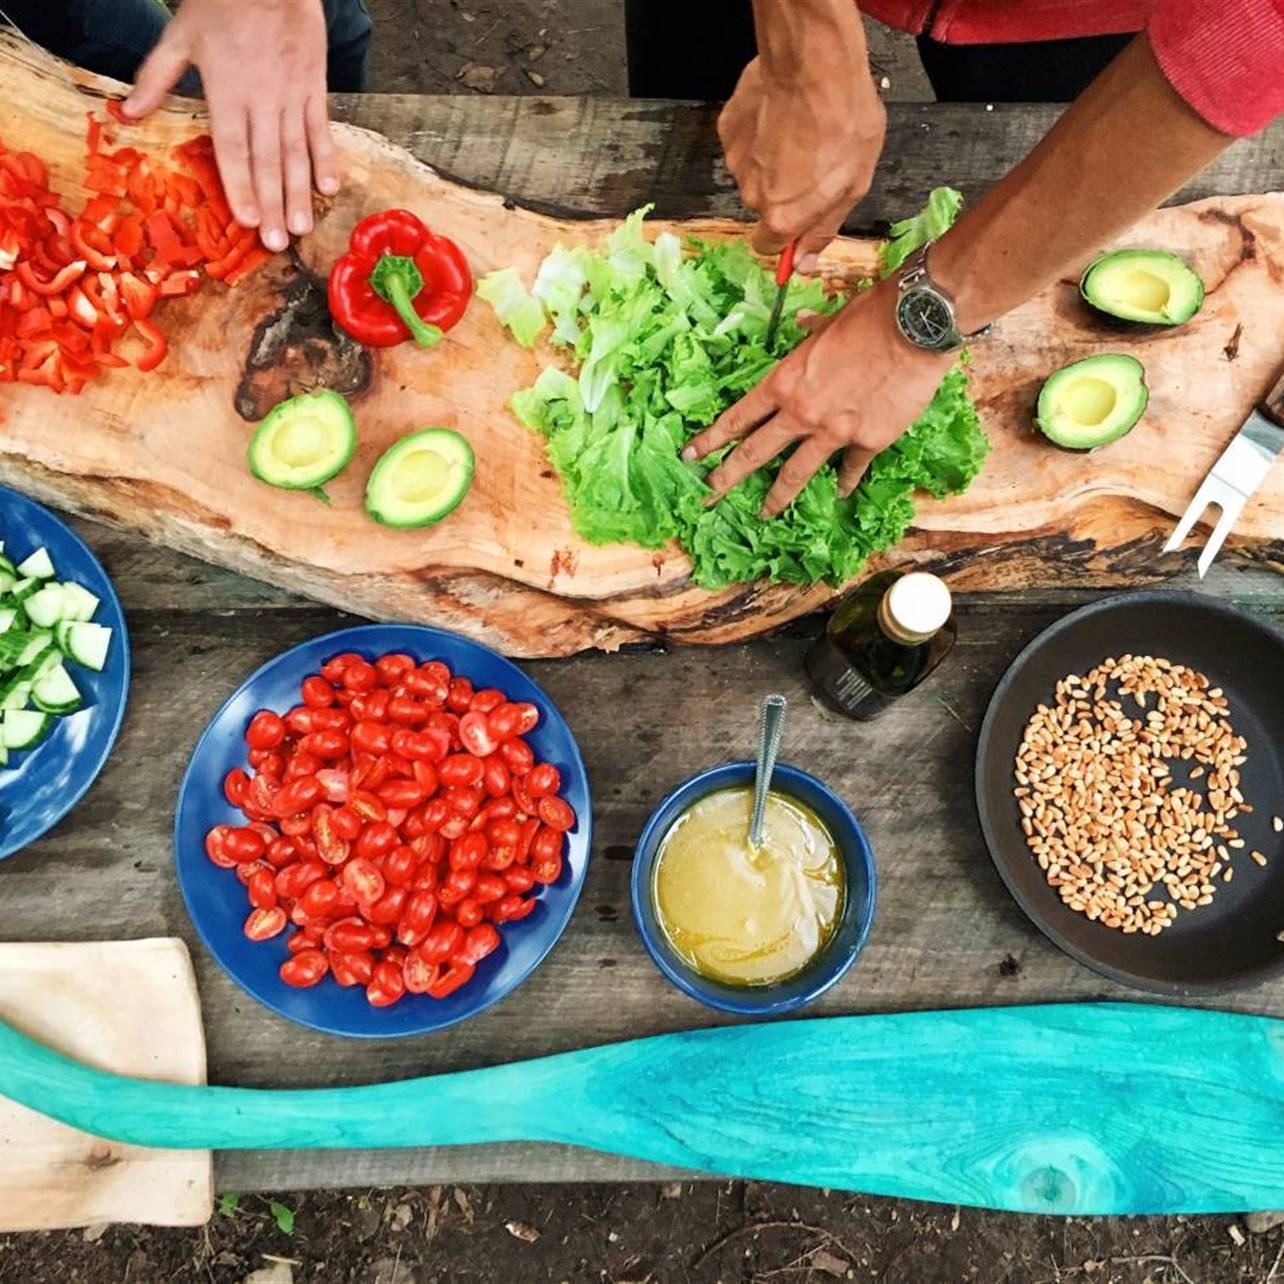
{"x":304,"y":441}
{"x":1151,"y":286}
{"x":1092,"y":402}
{"x":419,"y":479}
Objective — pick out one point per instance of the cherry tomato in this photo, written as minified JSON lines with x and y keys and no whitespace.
{"x":387,"y":984}
{"x":336,"y":783}
{"x":429,"y":849}
{"x":349,"y":936}
{"x":352,"y":969}
{"x":429,"y":687}
{"x":529,"y":829}
{"x":259,"y":796}
{"x":465,"y":801}
{"x":331,"y":720}
{"x":282,"y":852}
{"x":458,"y":884}
{"x":557,"y":813}
{"x":266,"y":730}
{"x":332,"y":670}
{"x":299,"y":795}
{"x":301,"y":764}
{"x":303,"y":938}
{"x":497,"y":780}
{"x":387,"y":909}
{"x":371,"y":737}
{"x":517,"y":878}
{"x":485,"y":701}
{"x":317,"y":693}
{"x":460,"y":697}
{"x":468,"y":852}
{"x":450,"y":980}
{"x":487,"y":888}
{"x":455,"y":827}
{"x":321,"y":898}
{"x":243,"y":844}
{"x":503,"y":721}
{"x":305,"y":968}
{"x":297,"y":826}
{"x":235,"y":786}
{"x":363,"y":879}
{"x":461,"y":769}
{"x":525,"y":803}
{"x":435,"y":813}
{"x":393,"y":667}
{"x":399,"y":866}
{"x":377,"y":839}
{"x":216,"y":846}
{"x":294,"y":880}
{"x":407,"y":710}
{"x":367,"y":806}
{"x":402,"y":793}
{"x":543,"y":780}
{"x":518,"y":756}
{"x":262,"y":889}
{"x":347,"y":823}
{"x":265,"y":923}
{"x":426,"y":776}
{"x":326,"y":746}
{"x":358,"y":676}
{"x":476,"y":734}
{"x":469,"y":912}
{"x":527,"y":716}
{"x":445,"y":937}
{"x":419,"y":974}
{"x":480,"y":941}
{"x":371,"y":707}
{"x":266,"y":762}
{"x":417,"y":918}
{"x":332,"y":848}
{"x":299,"y":720}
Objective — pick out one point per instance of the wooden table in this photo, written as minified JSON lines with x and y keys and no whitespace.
{"x":946,"y":933}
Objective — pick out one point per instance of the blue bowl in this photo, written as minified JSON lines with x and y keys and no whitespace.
{"x":842,"y":948}
{"x":41,"y":785}
{"x":216,"y":900}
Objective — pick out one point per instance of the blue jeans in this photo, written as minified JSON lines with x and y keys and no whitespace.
{"x":112,"y":37}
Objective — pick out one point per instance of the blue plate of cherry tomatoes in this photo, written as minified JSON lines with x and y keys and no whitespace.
{"x":39,"y":786}
{"x":383,"y":831}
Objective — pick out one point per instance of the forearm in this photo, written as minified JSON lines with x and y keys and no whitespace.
{"x":810,"y":39}
{"x":1125,"y":145}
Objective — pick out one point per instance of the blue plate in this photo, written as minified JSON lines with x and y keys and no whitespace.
{"x":216,"y":900}
{"x":41,"y":785}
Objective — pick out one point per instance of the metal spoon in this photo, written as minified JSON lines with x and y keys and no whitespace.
{"x":771,"y":726}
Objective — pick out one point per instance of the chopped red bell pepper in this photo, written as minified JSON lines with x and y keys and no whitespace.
{"x":397,"y":281}
{"x":68,"y":276}
{"x":157,"y":345}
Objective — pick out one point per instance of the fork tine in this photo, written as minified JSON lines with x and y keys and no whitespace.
{"x":1230,"y":507}
{"x":1194,"y":510}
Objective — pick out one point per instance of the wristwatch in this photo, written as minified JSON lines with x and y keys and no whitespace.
{"x":925,"y":313}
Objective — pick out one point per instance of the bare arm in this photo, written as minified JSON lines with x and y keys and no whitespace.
{"x":804,"y":129}
{"x":1127,"y":143}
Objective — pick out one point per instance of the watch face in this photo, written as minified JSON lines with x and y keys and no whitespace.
{"x":925,"y":318}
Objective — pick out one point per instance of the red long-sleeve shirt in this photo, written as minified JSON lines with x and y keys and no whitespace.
{"x":1225,"y":57}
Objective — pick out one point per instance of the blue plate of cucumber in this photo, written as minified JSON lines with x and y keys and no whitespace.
{"x":64,"y":670}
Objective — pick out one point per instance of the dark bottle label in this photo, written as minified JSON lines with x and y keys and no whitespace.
{"x":840,"y":686}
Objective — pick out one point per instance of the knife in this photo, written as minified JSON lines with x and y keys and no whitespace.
{"x":784,"y":270}
{"x":1238,"y":472}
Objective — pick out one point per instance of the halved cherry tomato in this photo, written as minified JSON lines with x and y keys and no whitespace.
{"x":557,"y":813}
{"x":399,"y":866}
{"x":497,"y":780}
{"x":543,"y":780}
{"x":236,"y":785}
{"x":216,"y":847}
{"x":332,"y":848}
{"x":303,"y":938}
{"x":391,"y":668}
{"x":265,"y":923}
{"x":476,"y":734}
{"x":485,"y":701}
{"x":442,"y":941}
{"x":503,"y":721}
{"x":359,"y":677}
{"x":459,"y":699}
{"x":301,"y":794}
{"x":481,"y":941}
{"x":461,"y":769}
{"x":349,"y":936}
{"x":352,"y":969}
{"x":301,"y":763}
{"x":419,"y":974}
{"x":450,"y":980}
{"x":363,"y":879}
{"x":518,"y":756}
{"x":517,"y":878}
{"x":527,"y":717}
{"x":388,"y":908}
{"x":262,"y":889}
{"x":387,"y":984}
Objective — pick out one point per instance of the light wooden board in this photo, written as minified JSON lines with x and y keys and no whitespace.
{"x":126,"y":1006}
{"x":164,"y":454}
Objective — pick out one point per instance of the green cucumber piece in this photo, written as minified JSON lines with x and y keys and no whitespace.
{"x":56,"y":692}
{"x":78,"y":602}
{"x":38,"y":642}
{"x":38,"y":565}
{"x":88,"y":644}
{"x":46,"y":607}
{"x":24,"y":728}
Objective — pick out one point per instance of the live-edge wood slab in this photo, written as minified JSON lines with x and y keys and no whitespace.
{"x":164,"y":454}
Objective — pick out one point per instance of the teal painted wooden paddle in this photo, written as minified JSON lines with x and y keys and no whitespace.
{"x":1068,"y":1108}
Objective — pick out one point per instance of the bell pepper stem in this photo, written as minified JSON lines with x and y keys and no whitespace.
{"x":398,"y":280}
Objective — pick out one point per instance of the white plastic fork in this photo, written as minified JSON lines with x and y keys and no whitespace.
{"x":1238,"y":472}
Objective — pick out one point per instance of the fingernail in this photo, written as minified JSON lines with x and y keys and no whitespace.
{"x":275,"y":239}
{"x":300,"y":223}
{"x":128,"y":106}
{"x":328,"y":185}
{"x":690,"y":454}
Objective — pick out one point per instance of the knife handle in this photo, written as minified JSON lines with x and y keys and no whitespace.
{"x":785,"y":268}
{"x":1272,"y":405}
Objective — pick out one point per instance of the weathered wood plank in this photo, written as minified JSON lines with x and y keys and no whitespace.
{"x":606,"y":156}
{"x":946,"y":934}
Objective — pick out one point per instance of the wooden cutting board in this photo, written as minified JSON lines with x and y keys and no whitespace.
{"x":164,"y":454}
{"x":125,"y":1006}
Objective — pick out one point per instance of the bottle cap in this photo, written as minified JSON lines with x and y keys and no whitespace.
{"x":916,"y":607}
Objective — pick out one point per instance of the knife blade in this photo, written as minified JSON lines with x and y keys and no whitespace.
{"x":784,"y":270}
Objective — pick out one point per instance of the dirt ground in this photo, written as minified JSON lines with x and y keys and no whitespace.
{"x":641,"y":1234}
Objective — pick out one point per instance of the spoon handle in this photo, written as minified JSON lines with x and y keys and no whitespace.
{"x":771,"y":728}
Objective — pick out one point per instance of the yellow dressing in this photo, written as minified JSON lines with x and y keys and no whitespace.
{"x":744,"y":916}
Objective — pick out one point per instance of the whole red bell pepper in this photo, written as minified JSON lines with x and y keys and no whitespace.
{"x":398,"y":281}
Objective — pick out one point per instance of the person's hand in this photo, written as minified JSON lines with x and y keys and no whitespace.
{"x":802,"y":150}
{"x":856,"y":385}
{"x":263,"y":66}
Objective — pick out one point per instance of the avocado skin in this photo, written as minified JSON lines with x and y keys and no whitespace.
{"x":435,"y":513}
{"x":1165,"y":263}
{"x":1100,"y":366}
{"x":333,"y":404}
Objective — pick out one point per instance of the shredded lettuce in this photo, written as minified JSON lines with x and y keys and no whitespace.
{"x":661,"y":338}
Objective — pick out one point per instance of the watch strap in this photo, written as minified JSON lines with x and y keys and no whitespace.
{"x":915,"y":273}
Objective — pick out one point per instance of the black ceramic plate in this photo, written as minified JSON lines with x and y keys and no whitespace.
{"x":1234,"y":941}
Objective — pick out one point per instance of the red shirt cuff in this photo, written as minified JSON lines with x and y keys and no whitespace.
{"x":1224,"y":57}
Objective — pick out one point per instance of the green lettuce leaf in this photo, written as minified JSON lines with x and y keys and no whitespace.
{"x":514,"y":307}
{"x":662,"y":337}
{"x":910,"y":234}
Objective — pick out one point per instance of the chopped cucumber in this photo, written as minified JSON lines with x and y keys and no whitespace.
{"x":88,"y":644}
{"x":56,"y":692}
{"x":47,"y":607}
{"x":24,"y":728}
{"x":38,"y":565}
{"x":45,"y":625}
